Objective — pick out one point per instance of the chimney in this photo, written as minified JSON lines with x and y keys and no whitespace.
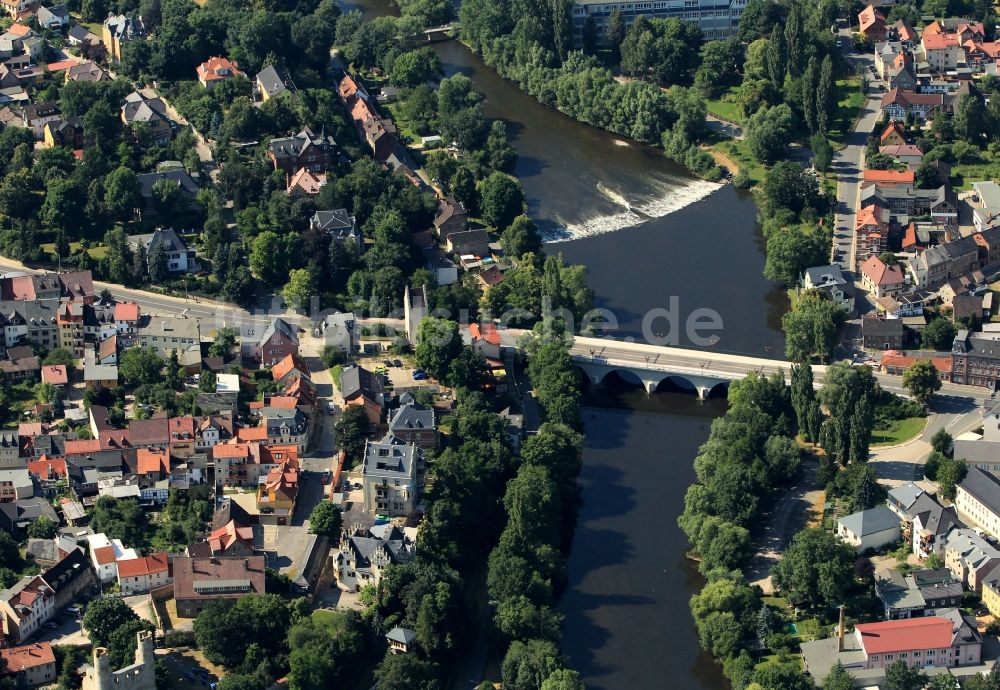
{"x":840,"y":631}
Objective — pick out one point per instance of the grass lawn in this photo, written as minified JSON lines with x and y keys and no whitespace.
{"x":964,"y":174}
{"x":74,"y":248}
{"x":901,"y":430}
{"x":725,"y":107}
{"x":737,"y":151}
{"x":392,"y":110}
{"x":849,"y":102}
{"x":335,"y":371}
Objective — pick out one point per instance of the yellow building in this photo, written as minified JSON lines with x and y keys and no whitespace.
{"x":991,"y":596}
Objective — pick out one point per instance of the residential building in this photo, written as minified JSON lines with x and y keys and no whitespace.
{"x":991,"y":596}
{"x":269,"y":346}
{"x":971,"y":558}
{"x":198,"y":581}
{"x":79,"y":36}
{"x":339,"y":224}
{"x":872,"y":229}
{"x":146,"y":107}
{"x":907,"y":154}
{"x":305,"y":183}
{"x":908,"y":596}
{"x":71,"y":322}
{"x":17,"y":8}
{"x":286,"y":427}
{"x":314,"y":152}
{"x":140,"y":675}
{"x":10,"y":449}
{"x":948,"y":638}
{"x":31,"y":665}
{"x":893,"y":135}
{"x":165,"y":243}
{"x":16,"y":516}
{"x":270,"y":83}
{"x":169,"y":334}
{"x":175,"y":178}
{"x":881,"y":279}
{"x":897,"y":104}
{"x":830,"y":280}
{"x":37,"y":115}
{"x":67,"y":133}
{"x":975,"y":360}
{"x":85,"y":71}
{"x":361,"y":387}
{"x":119,"y":30}
{"x":451,"y":217}
{"x":30,"y":603}
{"x":106,"y":553}
{"x":466,"y":242}
{"x":412,"y":423}
{"x":978,"y":500}
{"x":389,"y":476}
{"x":139,"y":575}
{"x":401,"y":640}
{"x":216,"y":70}
{"x":365,"y":553}
{"x":340,"y":331}
{"x":277,"y":493}
{"x":717,"y":20}
{"x":882,"y":334}
{"x":127,"y":318}
{"x":15,"y":485}
{"x":869,"y":529}
{"x":232,"y":540}
{"x":986,"y":209}
{"x":871,"y":24}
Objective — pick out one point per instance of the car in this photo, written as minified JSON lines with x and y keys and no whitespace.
{"x":387,"y":362}
{"x":419,"y":375}
{"x":51,"y":625}
{"x":331,"y":408}
{"x":397,"y":363}
{"x":73,"y":610}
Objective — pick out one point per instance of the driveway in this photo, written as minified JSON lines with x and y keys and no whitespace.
{"x":848,"y":165}
{"x":904,"y":462}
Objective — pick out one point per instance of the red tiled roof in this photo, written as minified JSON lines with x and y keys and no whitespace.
{"x":486,"y":331}
{"x":29,"y":656}
{"x":148,"y":431}
{"x":55,"y":374}
{"x":61,"y":65}
{"x":286,"y":365}
{"x":146,"y":565}
{"x":894,"y":127}
{"x":868,"y":216}
{"x":897,"y":150}
{"x":19,"y":30}
{"x":890,"y":176}
{"x":881,"y":273}
{"x":126,"y":311}
{"x":942,"y":364}
{"x":215,"y":68}
{"x":104,"y":555}
{"x":47,"y":468}
{"x":910,"y":237}
{"x":181,"y":428}
{"x":283,"y":402}
{"x":935,"y":41}
{"x":152,"y":461}
{"x":869,"y":17}
{"x":932,"y":632}
{"x":82,"y":446}
{"x":252,"y":433}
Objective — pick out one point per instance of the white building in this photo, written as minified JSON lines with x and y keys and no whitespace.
{"x":869,"y":529}
{"x":105,"y":554}
{"x":716,"y":18}
{"x":978,"y":500}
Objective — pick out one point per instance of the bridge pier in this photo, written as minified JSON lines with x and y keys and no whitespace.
{"x":703,"y":391}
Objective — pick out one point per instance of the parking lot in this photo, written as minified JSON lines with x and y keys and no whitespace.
{"x":189,"y":669}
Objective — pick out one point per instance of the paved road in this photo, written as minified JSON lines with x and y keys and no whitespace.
{"x":848,"y":165}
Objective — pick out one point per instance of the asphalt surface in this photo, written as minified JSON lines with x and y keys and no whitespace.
{"x":848,"y":162}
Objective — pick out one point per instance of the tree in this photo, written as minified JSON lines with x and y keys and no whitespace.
{"x":325,"y":519}
{"x":950,"y":474}
{"x":208,"y":381}
{"x":941,"y":441}
{"x":589,"y":37}
{"x":300,"y":288}
{"x":776,"y":58}
{"x":10,"y":554}
{"x":769,"y":131}
{"x":521,"y":238}
{"x":158,"y":271}
{"x":122,"y":194}
{"x":438,"y":344}
{"x":822,"y":153}
{"x":140,"y":365}
{"x":788,"y":185}
{"x":791,"y":250}
{"x":901,"y":676}
{"x":939,"y":334}
{"x":43,"y":528}
{"x":528,"y":664}
{"x":817,"y":567}
{"x":224,"y":343}
{"x":615,"y":32}
{"x":563,"y":679}
{"x":351,"y":432}
{"x":825,"y":95}
{"x":104,"y":616}
{"x":501,"y":200}
{"x":725,"y":613}
{"x":405,"y":672}
{"x":415,"y":67}
{"x":811,"y":327}
{"x":720,"y":66}
{"x":922,"y":380}
{"x":269,"y":258}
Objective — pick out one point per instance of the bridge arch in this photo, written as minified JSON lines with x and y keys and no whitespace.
{"x":624,"y":376}
{"x":675,"y":383}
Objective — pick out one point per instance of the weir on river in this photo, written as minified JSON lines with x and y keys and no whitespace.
{"x":647,"y":231}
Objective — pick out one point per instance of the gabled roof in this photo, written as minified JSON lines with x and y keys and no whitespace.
{"x":216,"y":68}
{"x":890,"y":176}
{"x":982,"y":486}
{"x":880,"y":273}
{"x":287,"y":365}
{"x":871,"y":521}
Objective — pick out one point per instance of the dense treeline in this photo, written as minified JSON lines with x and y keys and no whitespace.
{"x":530,"y":43}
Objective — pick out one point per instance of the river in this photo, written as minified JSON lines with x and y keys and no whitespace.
{"x":651,"y":237}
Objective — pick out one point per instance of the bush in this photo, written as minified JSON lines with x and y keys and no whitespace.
{"x":333,"y":356}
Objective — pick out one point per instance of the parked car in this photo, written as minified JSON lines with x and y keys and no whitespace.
{"x":419,"y":375}
{"x":397,"y":363}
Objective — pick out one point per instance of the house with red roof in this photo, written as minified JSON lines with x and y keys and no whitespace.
{"x":893,"y":134}
{"x":888,"y":178}
{"x":139,"y":575}
{"x":897,"y":104}
{"x":55,"y":375}
{"x":872,"y":230}
{"x":127,"y":318}
{"x":871,"y":24}
{"x":152,"y":465}
{"x":881,"y":279}
{"x":31,"y":665}
{"x":216,"y":70}
{"x":291,"y":366}
{"x":232,"y":540}
{"x":947,"y":639}
{"x":24,"y":607}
